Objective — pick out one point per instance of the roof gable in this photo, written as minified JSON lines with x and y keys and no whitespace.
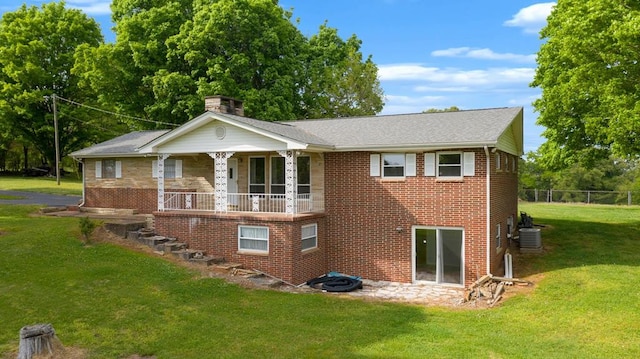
{"x":203,"y":134}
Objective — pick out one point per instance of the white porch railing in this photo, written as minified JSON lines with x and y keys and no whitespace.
{"x":239,"y":202}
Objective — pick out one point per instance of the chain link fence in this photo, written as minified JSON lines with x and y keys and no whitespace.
{"x":627,"y":198}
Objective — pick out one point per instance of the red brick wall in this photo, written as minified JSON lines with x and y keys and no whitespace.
{"x":363,"y":213}
{"x":142,"y":200}
{"x":504,"y":203}
{"x":217,"y":235}
{"x":357,"y":233}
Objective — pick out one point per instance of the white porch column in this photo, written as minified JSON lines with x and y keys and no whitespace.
{"x":161,"y":158}
{"x":220,"y":179}
{"x":290,"y":181}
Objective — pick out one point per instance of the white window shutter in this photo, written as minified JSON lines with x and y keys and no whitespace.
{"x":154,"y":168}
{"x":374,"y":164}
{"x":469,"y":163}
{"x":178,"y":168}
{"x":118,"y":169}
{"x":429,"y":164}
{"x":410,"y":163}
{"x":98,"y":169}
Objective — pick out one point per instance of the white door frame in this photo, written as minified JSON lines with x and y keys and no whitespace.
{"x":438,"y":255}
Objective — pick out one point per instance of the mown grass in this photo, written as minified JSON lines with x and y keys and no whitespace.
{"x":115,"y":302}
{"x":68,"y":185}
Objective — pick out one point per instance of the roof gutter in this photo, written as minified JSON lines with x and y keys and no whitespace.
{"x":415,"y":147}
{"x":488,"y":209}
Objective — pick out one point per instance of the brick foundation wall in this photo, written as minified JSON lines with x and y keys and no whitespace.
{"x":363,"y":213}
{"x":217,"y":234}
{"x":140,"y":199}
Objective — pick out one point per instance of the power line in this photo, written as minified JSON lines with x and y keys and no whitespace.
{"x":105,"y":129}
{"x":115,"y":114}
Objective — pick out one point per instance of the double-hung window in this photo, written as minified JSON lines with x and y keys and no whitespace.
{"x":393,"y":164}
{"x":304,"y":175}
{"x":278,"y":175}
{"x":257,"y":176}
{"x":108,"y":169}
{"x":253,"y":238}
{"x":172,"y":168}
{"x":450,"y":164}
{"x":309,"y":236}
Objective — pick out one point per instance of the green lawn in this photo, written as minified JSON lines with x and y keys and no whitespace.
{"x":68,"y":185}
{"x":115,"y":303}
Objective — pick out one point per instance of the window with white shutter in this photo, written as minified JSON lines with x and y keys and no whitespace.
{"x":108,"y":169}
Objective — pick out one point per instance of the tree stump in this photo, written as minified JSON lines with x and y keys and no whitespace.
{"x":38,"y":339}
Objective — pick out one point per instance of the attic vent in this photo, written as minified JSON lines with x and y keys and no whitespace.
{"x":222,"y":104}
{"x":221,"y":132}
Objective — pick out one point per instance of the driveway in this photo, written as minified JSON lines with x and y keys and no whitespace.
{"x":49,"y":200}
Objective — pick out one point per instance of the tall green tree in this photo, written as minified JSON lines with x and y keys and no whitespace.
{"x":124,"y":74}
{"x":247,"y":49}
{"x":590,"y":79}
{"x":37,"y":47}
{"x":169,"y":55}
{"x":339,"y":83}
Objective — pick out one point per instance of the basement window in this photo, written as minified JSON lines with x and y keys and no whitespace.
{"x":253,"y":238}
{"x":309,"y":237}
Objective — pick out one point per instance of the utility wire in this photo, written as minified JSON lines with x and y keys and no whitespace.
{"x":114,"y":113}
{"x":110,"y":130}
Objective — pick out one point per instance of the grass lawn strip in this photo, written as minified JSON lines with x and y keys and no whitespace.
{"x":109,"y":301}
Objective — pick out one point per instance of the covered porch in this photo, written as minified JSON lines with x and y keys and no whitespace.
{"x":278,"y":182}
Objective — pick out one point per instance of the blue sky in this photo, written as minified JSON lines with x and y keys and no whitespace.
{"x":430,"y":54}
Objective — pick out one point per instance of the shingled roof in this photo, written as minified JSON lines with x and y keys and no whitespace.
{"x":459,"y":129}
{"x":124,"y":145}
{"x":437,"y":129}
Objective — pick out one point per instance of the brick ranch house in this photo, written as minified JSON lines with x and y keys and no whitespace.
{"x":424,"y":198}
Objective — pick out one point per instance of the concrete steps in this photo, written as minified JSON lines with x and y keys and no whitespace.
{"x":171,"y":246}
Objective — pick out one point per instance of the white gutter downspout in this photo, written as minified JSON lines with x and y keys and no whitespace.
{"x":488,"y":209}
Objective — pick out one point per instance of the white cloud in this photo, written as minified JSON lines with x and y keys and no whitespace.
{"x":454,"y":77}
{"x":483,"y":54}
{"x":442,"y":89}
{"x":91,"y":7}
{"x":408,"y":100}
{"x":395,"y":104}
{"x":532,"y":18}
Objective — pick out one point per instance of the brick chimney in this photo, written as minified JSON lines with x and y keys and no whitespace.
{"x":223,"y":104}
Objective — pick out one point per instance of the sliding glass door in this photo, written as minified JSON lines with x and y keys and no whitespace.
{"x":438,"y":255}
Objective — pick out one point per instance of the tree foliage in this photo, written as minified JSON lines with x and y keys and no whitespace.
{"x":608,"y":174}
{"x":449,"y":109}
{"x":338,"y":82}
{"x":169,"y":55}
{"x":37,"y":47}
{"x":589,"y":74}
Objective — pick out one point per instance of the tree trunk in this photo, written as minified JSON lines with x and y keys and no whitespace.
{"x":25,"y":150}
{"x":38,"y":339}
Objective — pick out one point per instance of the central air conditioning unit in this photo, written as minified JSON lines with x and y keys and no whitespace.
{"x":530,"y":240}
